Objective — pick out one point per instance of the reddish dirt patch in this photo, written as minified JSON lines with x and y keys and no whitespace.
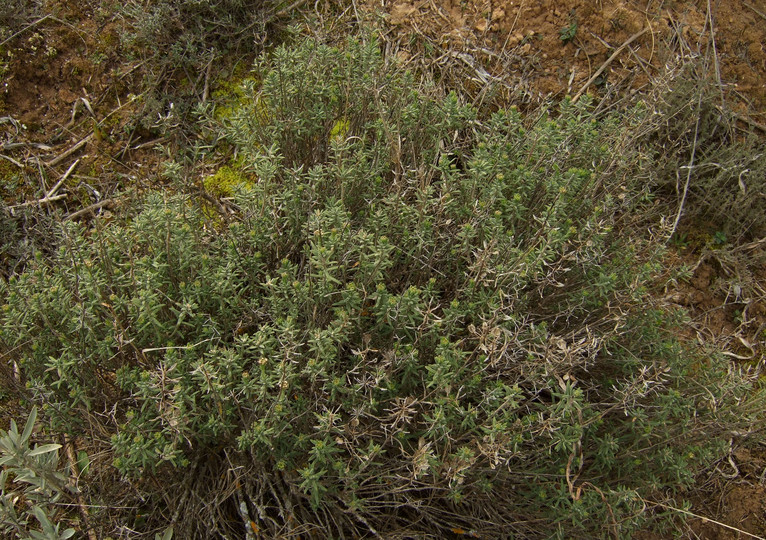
{"x":64,"y":83}
{"x":54,"y":64}
{"x":550,"y":48}
{"x":739,"y":503}
{"x":725,"y":298}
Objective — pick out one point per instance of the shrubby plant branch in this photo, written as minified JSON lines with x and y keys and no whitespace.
{"x":416,"y":322}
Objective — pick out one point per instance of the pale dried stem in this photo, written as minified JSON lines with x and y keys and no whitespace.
{"x":27,"y":27}
{"x":69,"y":448}
{"x":715,"y":52}
{"x":688,"y":171}
{"x":91,"y":208}
{"x":63,"y":178}
{"x":757,"y":12}
{"x":39,"y":202}
{"x":706,"y":519}
{"x":58,"y":159}
{"x":606,"y":64}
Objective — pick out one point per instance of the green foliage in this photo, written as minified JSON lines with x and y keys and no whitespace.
{"x":568,"y":33}
{"x":38,"y":485}
{"x":167,"y":535}
{"x":418,"y":322}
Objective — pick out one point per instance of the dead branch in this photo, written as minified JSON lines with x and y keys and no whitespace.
{"x":75,"y":469}
{"x":58,"y":159}
{"x":91,"y":208}
{"x":63,"y":178}
{"x":606,"y":64}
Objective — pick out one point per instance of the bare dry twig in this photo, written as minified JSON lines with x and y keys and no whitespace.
{"x":27,"y":27}
{"x":715,"y":52}
{"x":606,"y":64}
{"x":19,"y":165}
{"x":58,"y":159}
{"x":688,"y":172}
{"x":69,"y":448}
{"x":92,"y":208}
{"x":706,"y":519}
{"x":44,"y":200}
{"x":758,"y":12}
{"x":63,"y":178}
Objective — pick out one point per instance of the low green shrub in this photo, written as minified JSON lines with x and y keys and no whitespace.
{"x":38,"y":484}
{"x":419,"y":324}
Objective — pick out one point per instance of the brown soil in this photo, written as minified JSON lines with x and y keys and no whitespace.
{"x":55,"y":63}
{"x":739,"y":502}
{"x":64,"y":82}
{"x":550,"y":48}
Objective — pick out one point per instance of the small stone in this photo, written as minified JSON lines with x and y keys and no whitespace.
{"x":401,"y":13}
{"x":515,"y":39}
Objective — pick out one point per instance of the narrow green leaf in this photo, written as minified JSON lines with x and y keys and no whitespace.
{"x":29,"y":426}
{"x":44,"y":449}
{"x":41,"y":516}
{"x":83,"y":462}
